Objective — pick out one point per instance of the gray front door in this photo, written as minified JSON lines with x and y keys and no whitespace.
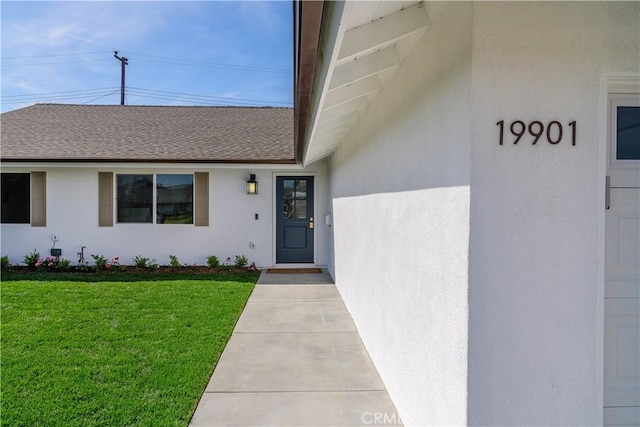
{"x":294,"y":219}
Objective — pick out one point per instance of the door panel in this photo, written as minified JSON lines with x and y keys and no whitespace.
{"x":622,"y":269}
{"x":294,"y":219}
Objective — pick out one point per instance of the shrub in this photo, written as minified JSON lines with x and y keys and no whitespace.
{"x":173,"y":261}
{"x":32,"y":259}
{"x":241,"y":261}
{"x":84,"y":268}
{"x":64,"y":264}
{"x":140,"y":261}
{"x":100,"y":261}
{"x":47,"y":264}
{"x":114,"y":264}
{"x":153,"y":265}
{"x":213,"y":261}
{"x":4,"y":262}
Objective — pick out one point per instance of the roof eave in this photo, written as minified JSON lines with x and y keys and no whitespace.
{"x":307,"y":25}
{"x":162,"y":161}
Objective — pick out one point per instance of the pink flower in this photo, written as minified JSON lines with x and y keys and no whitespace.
{"x":107,"y":265}
{"x":116,"y":259}
{"x":50,"y":264}
{"x":38,"y":263}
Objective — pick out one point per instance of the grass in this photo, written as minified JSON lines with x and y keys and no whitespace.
{"x":80,"y":352}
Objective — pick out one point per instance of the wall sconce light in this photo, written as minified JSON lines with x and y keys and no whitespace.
{"x":252,"y":185}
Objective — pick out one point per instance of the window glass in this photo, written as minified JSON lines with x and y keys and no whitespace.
{"x":289,"y":193}
{"x":174,"y":199}
{"x":135,"y":198}
{"x":628,"y":133}
{"x":15,"y":198}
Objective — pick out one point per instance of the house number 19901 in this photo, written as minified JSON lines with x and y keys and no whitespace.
{"x":552,"y":131}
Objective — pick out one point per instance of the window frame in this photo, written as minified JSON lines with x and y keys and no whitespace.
{"x":37,"y":198}
{"x":615,"y":101}
{"x":154,"y":202}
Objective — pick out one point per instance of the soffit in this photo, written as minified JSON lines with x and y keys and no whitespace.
{"x":373,"y":39}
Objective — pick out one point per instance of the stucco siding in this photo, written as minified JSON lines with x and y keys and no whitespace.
{"x":400,"y":191}
{"x":72,"y":213}
{"x":536,"y":209}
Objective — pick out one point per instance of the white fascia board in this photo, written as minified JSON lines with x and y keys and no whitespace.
{"x":338,"y":19}
{"x":383,"y":31}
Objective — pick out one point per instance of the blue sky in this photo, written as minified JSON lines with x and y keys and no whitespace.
{"x":224,"y":52}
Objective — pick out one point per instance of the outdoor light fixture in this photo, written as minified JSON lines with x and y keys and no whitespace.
{"x":252,"y":185}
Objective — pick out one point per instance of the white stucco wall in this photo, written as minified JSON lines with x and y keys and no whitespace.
{"x":400,"y":190}
{"x":536,"y":210}
{"x":72,"y":213}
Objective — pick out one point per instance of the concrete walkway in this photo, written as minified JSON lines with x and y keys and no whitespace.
{"x":295,"y":359}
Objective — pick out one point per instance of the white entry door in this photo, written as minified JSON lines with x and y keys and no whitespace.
{"x":622,"y":266}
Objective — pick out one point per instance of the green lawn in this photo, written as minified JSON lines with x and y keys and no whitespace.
{"x":85,"y":353}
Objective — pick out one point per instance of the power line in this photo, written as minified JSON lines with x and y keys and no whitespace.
{"x":136,"y":92}
{"x":223,"y":67}
{"x":95,"y":99}
{"x":51,"y":98}
{"x":57,"y":93}
{"x":140,"y":91}
{"x":205,"y":99}
{"x":56,"y":54}
{"x":206,"y":64}
{"x":54,"y":63}
{"x":154,"y":60}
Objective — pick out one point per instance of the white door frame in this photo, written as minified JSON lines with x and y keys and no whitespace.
{"x":274,"y":229}
{"x":612,"y":83}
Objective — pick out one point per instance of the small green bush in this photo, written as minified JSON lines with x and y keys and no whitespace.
{"x":31,"y":259}
{"x":173,"y":261}
{"x":140,"y":261}
{"x":213,"y":261}
{"x":4,"y":262}
{"x":153,"y":265}
{"x":64,"y":264}
{"x":241,"y":261}
{"x":100,"y":261}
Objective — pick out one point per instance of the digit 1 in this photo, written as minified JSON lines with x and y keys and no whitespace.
{"x":501,"y":124}
{"x":573,"y":132}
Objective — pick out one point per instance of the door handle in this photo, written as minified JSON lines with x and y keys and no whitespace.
{"x":311,"y":222}
{"x":607,"y":193}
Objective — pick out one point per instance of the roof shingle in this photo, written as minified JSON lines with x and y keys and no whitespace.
{"x":62,"y":132}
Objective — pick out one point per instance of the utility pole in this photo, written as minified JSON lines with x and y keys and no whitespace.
{"x":123,"y":63}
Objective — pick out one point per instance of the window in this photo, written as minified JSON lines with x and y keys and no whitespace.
{"x":628,"y":133}
{"x":174,"y":199}
{"x":16,"y":198}
{"x":170,"y":203}
{"x":625,"y":136}
{"x":24,"y":198}
{"x":135,"y":198}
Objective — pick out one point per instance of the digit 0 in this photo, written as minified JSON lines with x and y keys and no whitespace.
{"x":549,"y":132}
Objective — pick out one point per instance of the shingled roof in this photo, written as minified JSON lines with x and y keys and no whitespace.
{"x":61,"y":132}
